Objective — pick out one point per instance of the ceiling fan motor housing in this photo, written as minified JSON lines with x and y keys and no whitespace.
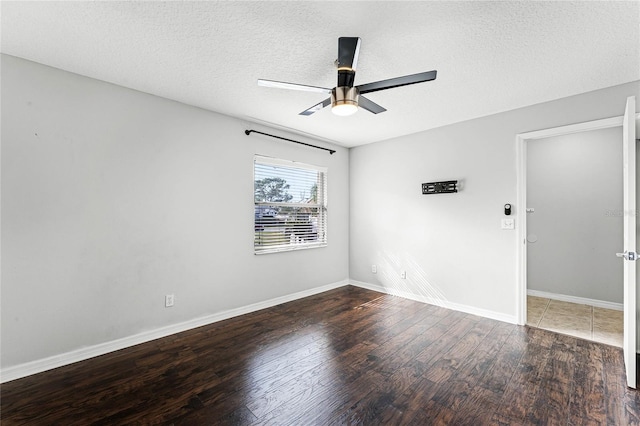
{"x":344,"y":95}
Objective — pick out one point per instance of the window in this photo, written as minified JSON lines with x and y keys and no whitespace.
{"x":290,"y":205}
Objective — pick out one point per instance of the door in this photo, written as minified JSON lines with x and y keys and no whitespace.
{"x":629,"y":232}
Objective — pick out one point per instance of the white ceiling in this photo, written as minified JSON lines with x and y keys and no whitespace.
{"x":490,"y":56}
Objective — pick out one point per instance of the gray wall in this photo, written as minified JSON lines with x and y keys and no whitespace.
{"x":452,"y":245}
{"x":574,"y":183}
{"x":112,"y":198}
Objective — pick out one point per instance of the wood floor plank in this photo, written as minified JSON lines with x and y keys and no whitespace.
{"x":463,"y":348}
{"x":366,"y":410}
{"x":620,"y":404}
{"x":587,"y":404}
{"x":478,"y":408}
{"x":433,"y":413}
{"x":473,"y":368}
{"x":443,"y":336}
{"x":498,"y":374}
{"x":279,"y":395}
{"x":346,"y":356}
{"x":396,"y":351}
{"x":407,"y":403}
{"x":557,"y":376}
{"x":523,"y":387}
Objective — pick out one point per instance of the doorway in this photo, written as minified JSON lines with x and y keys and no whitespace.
{"x":630,"y":123}
{"x":574,"y":228}
{"x":521,"y":231}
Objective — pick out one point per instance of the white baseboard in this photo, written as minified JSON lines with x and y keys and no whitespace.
{"x":38,"y":366}
{"x":443,"y":303}
{"x":576,"y":299}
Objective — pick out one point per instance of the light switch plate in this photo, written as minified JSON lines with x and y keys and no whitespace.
{"x":508,"y":224}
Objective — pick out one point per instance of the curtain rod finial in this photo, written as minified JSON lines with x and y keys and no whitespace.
{"x":247,"y":132}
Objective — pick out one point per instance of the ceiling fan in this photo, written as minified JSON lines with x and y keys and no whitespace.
{"x":345,"y":97}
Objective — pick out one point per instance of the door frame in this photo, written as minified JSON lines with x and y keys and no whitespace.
{"x":521,"y":196}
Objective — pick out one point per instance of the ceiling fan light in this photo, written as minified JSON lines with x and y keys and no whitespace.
{"x":344,"y":109}
{"x":344,"y":100}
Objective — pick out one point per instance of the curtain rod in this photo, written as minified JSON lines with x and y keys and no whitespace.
{"x":248,"y":132}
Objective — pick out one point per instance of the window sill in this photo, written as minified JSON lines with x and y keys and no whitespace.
{"x":289,"y":248}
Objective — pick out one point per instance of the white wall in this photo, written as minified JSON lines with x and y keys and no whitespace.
{"x":451,"y":245}
{"x":112,"y":198}
{"x":574,"y":183}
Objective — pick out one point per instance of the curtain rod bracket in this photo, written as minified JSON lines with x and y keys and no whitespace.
{"x":248,"y":132}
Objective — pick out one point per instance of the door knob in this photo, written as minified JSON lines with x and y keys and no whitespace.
{"x":629,"y":255}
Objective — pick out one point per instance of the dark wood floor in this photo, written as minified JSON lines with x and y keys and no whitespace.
{"x":347,"y":356}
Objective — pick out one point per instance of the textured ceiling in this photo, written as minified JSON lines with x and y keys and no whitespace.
{"x":490,"y":56}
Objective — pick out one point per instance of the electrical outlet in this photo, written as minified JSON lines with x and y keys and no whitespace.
{"x":169,"y":300}
{"x":374,"y":269}
{"x":403,"y":275}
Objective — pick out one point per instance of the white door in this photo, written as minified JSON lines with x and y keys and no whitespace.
{"x":629,"y":255}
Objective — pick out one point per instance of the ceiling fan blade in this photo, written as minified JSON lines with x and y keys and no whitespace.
{"x":370,"y":105}
{"x":316,"y":107}
{"x":348,"y":51}
{"x":292,"y":86}
{"x":397,"y":82}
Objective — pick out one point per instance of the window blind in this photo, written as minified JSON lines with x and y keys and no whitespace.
{"x":290,"y":205}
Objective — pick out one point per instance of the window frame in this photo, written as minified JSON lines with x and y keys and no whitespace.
{"x":321,"y":205}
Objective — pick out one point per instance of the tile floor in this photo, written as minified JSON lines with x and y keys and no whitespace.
{"x":584,"y":321}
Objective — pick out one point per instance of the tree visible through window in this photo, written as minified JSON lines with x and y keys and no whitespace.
{"x":290,"y":205}
{"x":272,"y":189}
